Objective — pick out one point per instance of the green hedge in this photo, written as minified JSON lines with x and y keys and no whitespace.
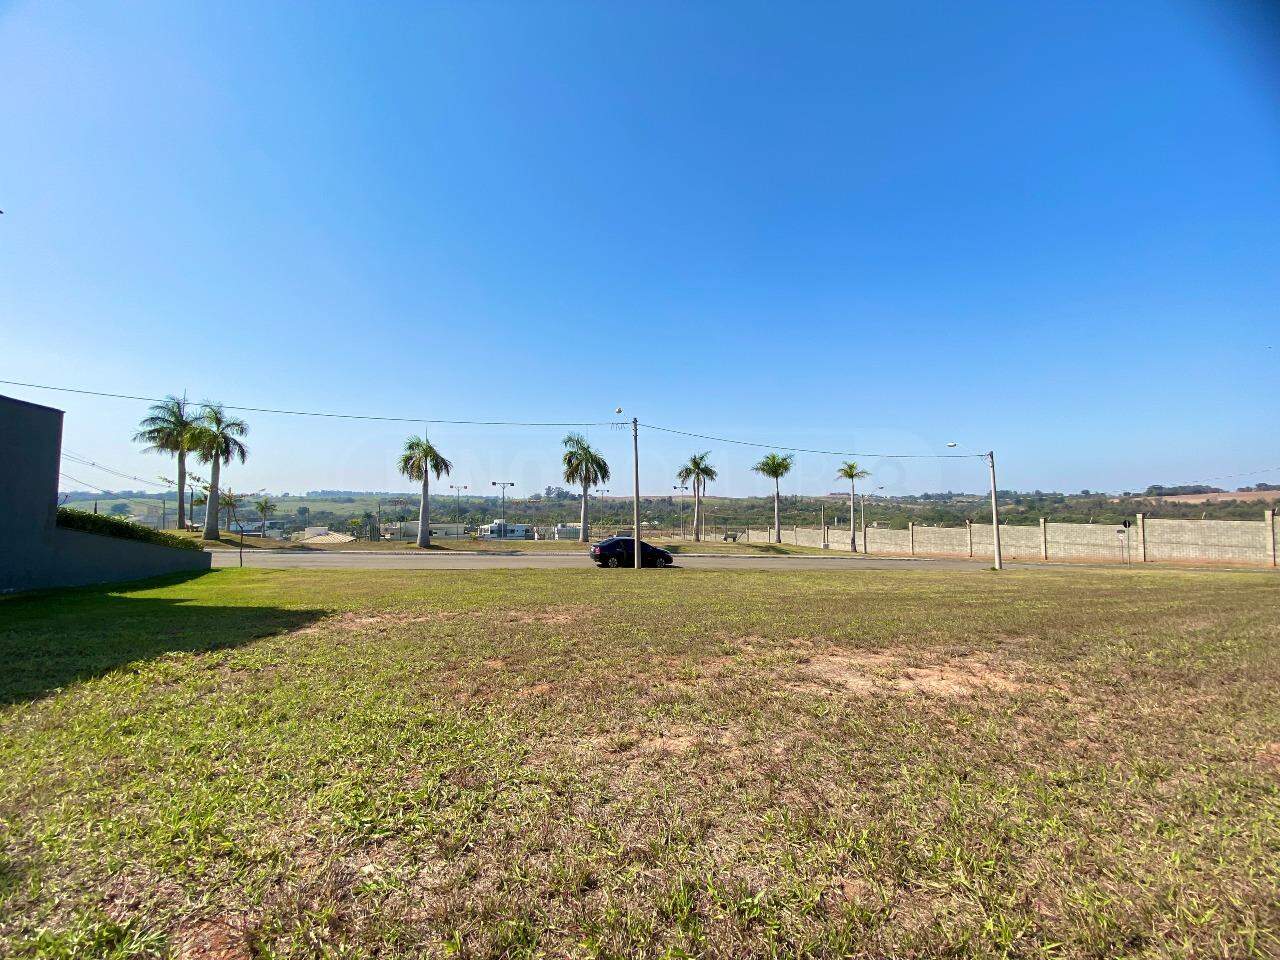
{"x":113,"y":527}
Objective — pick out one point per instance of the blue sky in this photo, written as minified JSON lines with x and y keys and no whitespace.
{"x":1051,"y":229}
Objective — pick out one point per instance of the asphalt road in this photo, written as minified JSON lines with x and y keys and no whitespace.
{"x":351,"y":560}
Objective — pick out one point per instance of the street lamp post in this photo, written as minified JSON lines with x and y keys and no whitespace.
{"x":635,"y":502}
{"x":601,"y":492}
{"x":997,"y":559}
{"x":864,"y":520}
{"x":998,"y":562}
{"x":458,"y":499}
{"x":682,"y":488}
{"x":503,"y":484}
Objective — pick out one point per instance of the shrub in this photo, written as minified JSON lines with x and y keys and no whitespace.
{"x":114,"y":527}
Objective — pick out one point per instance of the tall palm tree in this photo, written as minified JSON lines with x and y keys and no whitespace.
{"x":699,"y":470}
{"x":585,"y":467}
{"x":419,"y":460}
{"x":265,"y":508}
{"x":167,"y":428}
{"x":849,"y":470}
{"x":216,"y":441}
{"x":776,"y":466}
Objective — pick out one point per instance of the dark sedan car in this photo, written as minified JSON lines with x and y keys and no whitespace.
{"x":621,"y":552}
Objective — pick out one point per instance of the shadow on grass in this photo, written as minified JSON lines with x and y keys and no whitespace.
{"x":54,"y":638}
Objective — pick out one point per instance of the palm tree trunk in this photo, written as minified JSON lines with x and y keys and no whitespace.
{"x":211,"y":504}
{"x":584,"y":529}
{"x":424,"y":512}
{"x":777,"y":522}
{"x":853,"y":537}
{"x":182,"y":485}
{"x":697,"y":510}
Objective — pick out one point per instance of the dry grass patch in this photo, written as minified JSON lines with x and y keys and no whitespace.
{"x":887,"y":672}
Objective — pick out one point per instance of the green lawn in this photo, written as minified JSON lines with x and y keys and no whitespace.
{"x":522,"y":763}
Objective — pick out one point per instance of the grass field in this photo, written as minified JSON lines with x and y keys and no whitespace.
{"x":522,"y":763}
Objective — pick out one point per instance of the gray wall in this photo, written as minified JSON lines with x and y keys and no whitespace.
{"x":34,"y":551}
{"x":1243,"y":542}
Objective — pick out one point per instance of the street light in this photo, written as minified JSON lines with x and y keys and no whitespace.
{"x":683,"y":488}
{"x":635,"y":503}
{"x":458,"y":490}
{"x":864,"y":518}
{"x":600,"y":492}
{"x":503,"y":484}
{"x":997,"y":559}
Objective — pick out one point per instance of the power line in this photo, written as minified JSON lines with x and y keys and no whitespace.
{"x":83,"y":483}
{"x":1229,"y":476}
{"x":335,"y":416}
{"x":516,"y":423}
{"x":66,"y":455}
{"x":833,"y":453}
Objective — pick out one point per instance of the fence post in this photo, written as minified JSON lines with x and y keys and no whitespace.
{"x":1044,"y":539}
{"x":1142,"y":539}
{"x":911,"y":536}
{"x":1270,"y":517}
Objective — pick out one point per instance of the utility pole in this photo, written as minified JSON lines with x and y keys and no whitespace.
{"x":998,"y":561}
{"x":635,"y":506}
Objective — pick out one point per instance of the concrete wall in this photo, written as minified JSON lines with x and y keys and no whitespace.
{"x":1246,"y":542}
{"x":73,"y":558}
{"x":35,"y":552}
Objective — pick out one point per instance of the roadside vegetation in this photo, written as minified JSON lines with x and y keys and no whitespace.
{"x":117,"y":527}
{"x":527,"y":763}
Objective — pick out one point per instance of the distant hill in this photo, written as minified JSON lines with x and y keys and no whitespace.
{"x":1244,"y":496}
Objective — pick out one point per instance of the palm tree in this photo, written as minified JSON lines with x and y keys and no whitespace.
{"x":168,"y":429}
{"x":229,"y":502}
{"x":585,"y":467}
{"x":699,"y":470}
{"x":849,"y":470}
{"x":776,"y":466}
{"x":216,"y":441}
{"x":265,"y":508}
{"x":419,"y":460}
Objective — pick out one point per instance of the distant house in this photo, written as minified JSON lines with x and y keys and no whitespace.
{"x":408,"y":530}
{"x":505,"y":530}
{"x":321,"y":536}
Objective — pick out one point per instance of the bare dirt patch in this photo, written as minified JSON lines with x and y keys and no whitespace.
{"x":550,"y":615}
{"x":211,"y":940}
{"x":870,"y":673}
{"x":1269,"y":756}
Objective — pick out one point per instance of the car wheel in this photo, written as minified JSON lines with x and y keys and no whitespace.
{"x":615,"y":562}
